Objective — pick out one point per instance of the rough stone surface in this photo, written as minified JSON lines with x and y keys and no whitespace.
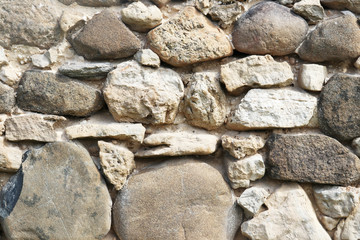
{"x":242,"y":145}
{"x":117,"y":163}
{"x":92,"y":3}
{"x":310,"y":10}
{"x":177,"y":144}
{"x":252,"y":199}
{"x":86,"y":69}
{"x":40,"y":60}
{"x":58,"y":194}
{"x":49,"y":93}
{"x":32,"y":127}
{"x":187,"y":38}
{"x":104,"y":37}
{"x":255,"y":71}
{"x":205,"y":101}
{"x":147,"y":57}
{"x":10,"y":156}
{"x":339,"y":107}
{"x":3,"y":59}
{"x":311,"y":158}
{"x":142,"y":94}
{"x":273,"y":108}
{"x":119,"y":131}
{"x":351,"y":229}
{"x":10,"y":75}
{"x":289,"y":216}
{"x":352,"y":5}
{"x":140,"y":17}
{"x":326,"y":41}
{"x":269,"y":28}
{"x":329,"y":223}
{"x":356,"y":146}
{"x":357,"y":63}
{"x":312,"y":76}
{"x":171,"y":201}
{"x":7,"y":98}
{"x":226,"y":14}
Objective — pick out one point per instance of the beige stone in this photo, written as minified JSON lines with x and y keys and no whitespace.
{"x":351,"y":229}
{"x":357,"y":63}
{"x":312,"y":76}
{"x":252,"y":199}
{"x":147,"y":57}
{"x":329,"y":223}
{"x":10,"y":156}
{"x":310,"y":10}
{"x":3,"y":58}
{"x":242,"y":145}
{"x":10,"y":74}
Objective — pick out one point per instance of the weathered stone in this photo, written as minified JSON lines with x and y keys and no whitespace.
{"x":310,"y":10}
{"x":269,"y":28}
{"x":141,"y":94}
{"x":187,"y":38}
{"x":32,"y":127}
{"x":171,"y":201}
{"x":226,"y":14}
{"x":312,"y":76}
{"x":255,"y":71}
{"x":351,"y":229}
{"x":57,"y":194}
{"x":92,"y":3}
{"x":242,"y":145}
{"x":335,"y":201}
{"x":86,"y":69}
{"x":50,"y":93}
{"x":104,"y":37}
{"x":28,"y":22}
{"x":252,"y":199}
{"x":117,"y":163}
{"x":311,"y":158}
{"x":329,"y":223}
{"x":10,"y":156}
{"x":205,"y":101}
{"x":161,"y":3}
{"x":289,"y":216}
{"x":3,"y":118}
{"x":119,"y":131}
{"x":71,"y":18}
{"x":10,"y":75}
{"x":326,"y":41}
{"x":245,"y":170}
{"x":3,"y":58}
{"x":357,"y":63}
{"x":40,"y":60}
{"x":356,"y":146}
{"x":7,"y":98}
{"x":204,"y":6}
{"x":140,"y":17}
{"x":352,"y":5}
{"x":339,"y":107}
{"x":147,"y":57}
{"x":177,"y":144}
{"x":273,"y":108}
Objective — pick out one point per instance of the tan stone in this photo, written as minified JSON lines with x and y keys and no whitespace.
{"x":242,"y":145}
{"x":10,"y":156}
{"x":147,"y":57}
{"x":312,"y":76}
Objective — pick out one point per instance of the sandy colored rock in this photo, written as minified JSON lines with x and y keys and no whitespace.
{"x":312,"y":76}
{"x":187,"y":38}
{"x":269,"y":28}
{"x":177,"y":144}
{"x":57,"y":194}
{"x":10,"y":75}
{"x":10,"y":156}
{"x":50,"y":93}
{"x":351,"y":229}
{"x":242,"y":145}
{"x":226,"y":14}
{"x":120,"y":131}
{"x":117,"y":163}
{"x":311,"y":158}
{"x":140,"y":17}
{"x":176,"y":204}
{"x":7,"y":98}
{"x":104,"y":37}
{"x":326,"y":41}
{"x":351,"y":5}
{"x":289,"y":216}
{"x":329,"y":223}
{"x":135,"y":93}
{"x":273,"y":108}
{"x":3,"y":59}
{"x":86,"y":69}
{"x":205,"y":101}
{"x":310,"y":10}
{"x":255,"y":71}
{"x":147,"y":57}
{"x":252,"y":199}
{"x":3,"y":118}
{"x":357,"y":63}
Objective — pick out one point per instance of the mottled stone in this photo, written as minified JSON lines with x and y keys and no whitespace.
{"x":242,"y":145}
{"x":351,"y":5}
{"x":351,"y":229}
{"x":40,"y":60}
{"x":86,"y":69}
{"x":226,"y":14}
{"x":310,"y":10}
{"x":311,"y":158}
{"x":7,"y":98}
{"x":171,"y":201}
{"x":187,"y":38}
{"x":10,"y":156}
{"x":147,"y":57}
{"x":3,"y":59}
{"x":252,"y":199}
{"x":312,"y":76}
{"x":10,"y":75}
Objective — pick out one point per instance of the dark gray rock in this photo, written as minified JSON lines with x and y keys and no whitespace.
{"x":50,"y":93}
{"x":7,"y":98}
{"x":269,"y":28}
{"x":311,"y":158}
{"x":86,"y":69}
{"x":57,"y":194}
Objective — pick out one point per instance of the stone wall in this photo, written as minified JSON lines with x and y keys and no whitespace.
{"x":195,"y":120}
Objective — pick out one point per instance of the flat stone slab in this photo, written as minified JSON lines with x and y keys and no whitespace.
{"x":86,"y":69}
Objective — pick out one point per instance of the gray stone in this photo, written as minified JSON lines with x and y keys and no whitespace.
{"x":226,"y":14}
{"x":7,"y":98}
{"x":40,"y":60}
{"x":356,"y":146}
{"x":147,"y":57}
{"x":312,"y":76}
{"x":252,"y":199}
{"x":351,"y":229}
{"x":311,"y":158}
{"x":176,"y":200}
{"x":93,"y":3}
{"x":49,"y":93}
{"x":352,"y":5}
{"x":310,"y":10}
{"x":57,"y":194}
{"x":88,"y":70}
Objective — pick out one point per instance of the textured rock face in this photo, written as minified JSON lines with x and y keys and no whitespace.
{"x":142,"y":94}
{"x":273,"y":108}
{"x":326,"y":42}
{"x":339,"y":107}
{"x":184,"y":207}
{"x":86,"y":69}
{"x":269,"y":28}
{"x":147,"y":57}
{"x":342,"y":4}
{"x":10,"y":156}
{"x":252,"y":199}
{"x":311,"y":158}
{"x":48,"y":93}
{"x":58,"y":194}
{"x":7,"y":98}
{"x":241,"y":146}
{"x":105,"y":37}
{"x":310,"y":10}
{"x":290,"y":216}
{"x":351,"y":229}
{"x":188,"y":38}
{"x":255,"y":71}
{"x":312,"y":76}
{"x":205,"y":101}
{"x":226,"y":14}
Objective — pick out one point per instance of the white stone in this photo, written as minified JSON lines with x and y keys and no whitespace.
{"x":40,"y":60}
{"x":147,"y":57}
{"x":335,"y":201}
{"x":178,"y":143}
{"x":3,"y":58}
{"x":351,"y":229}
{"x":10,"y":75}
{"x":10,"y":156}
{"x":338,"y":231}
{"x":310,"y":10}
{"x":255,"y":71}
{"x":120,"y":131}
{"x":117,"y":163}
{"x":273,"y":108}
{"x":356,"y":146}
{"x":70,"y":18}
{"x":329,"y":223}
{"x":357,"y":63}
{"x":140,"y":17}
{"x":3,"y":118}
{"x":252,"y":199}
{"x":289,"y":216}
{"x":312,"y":77}
{"x":242,"y":145}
